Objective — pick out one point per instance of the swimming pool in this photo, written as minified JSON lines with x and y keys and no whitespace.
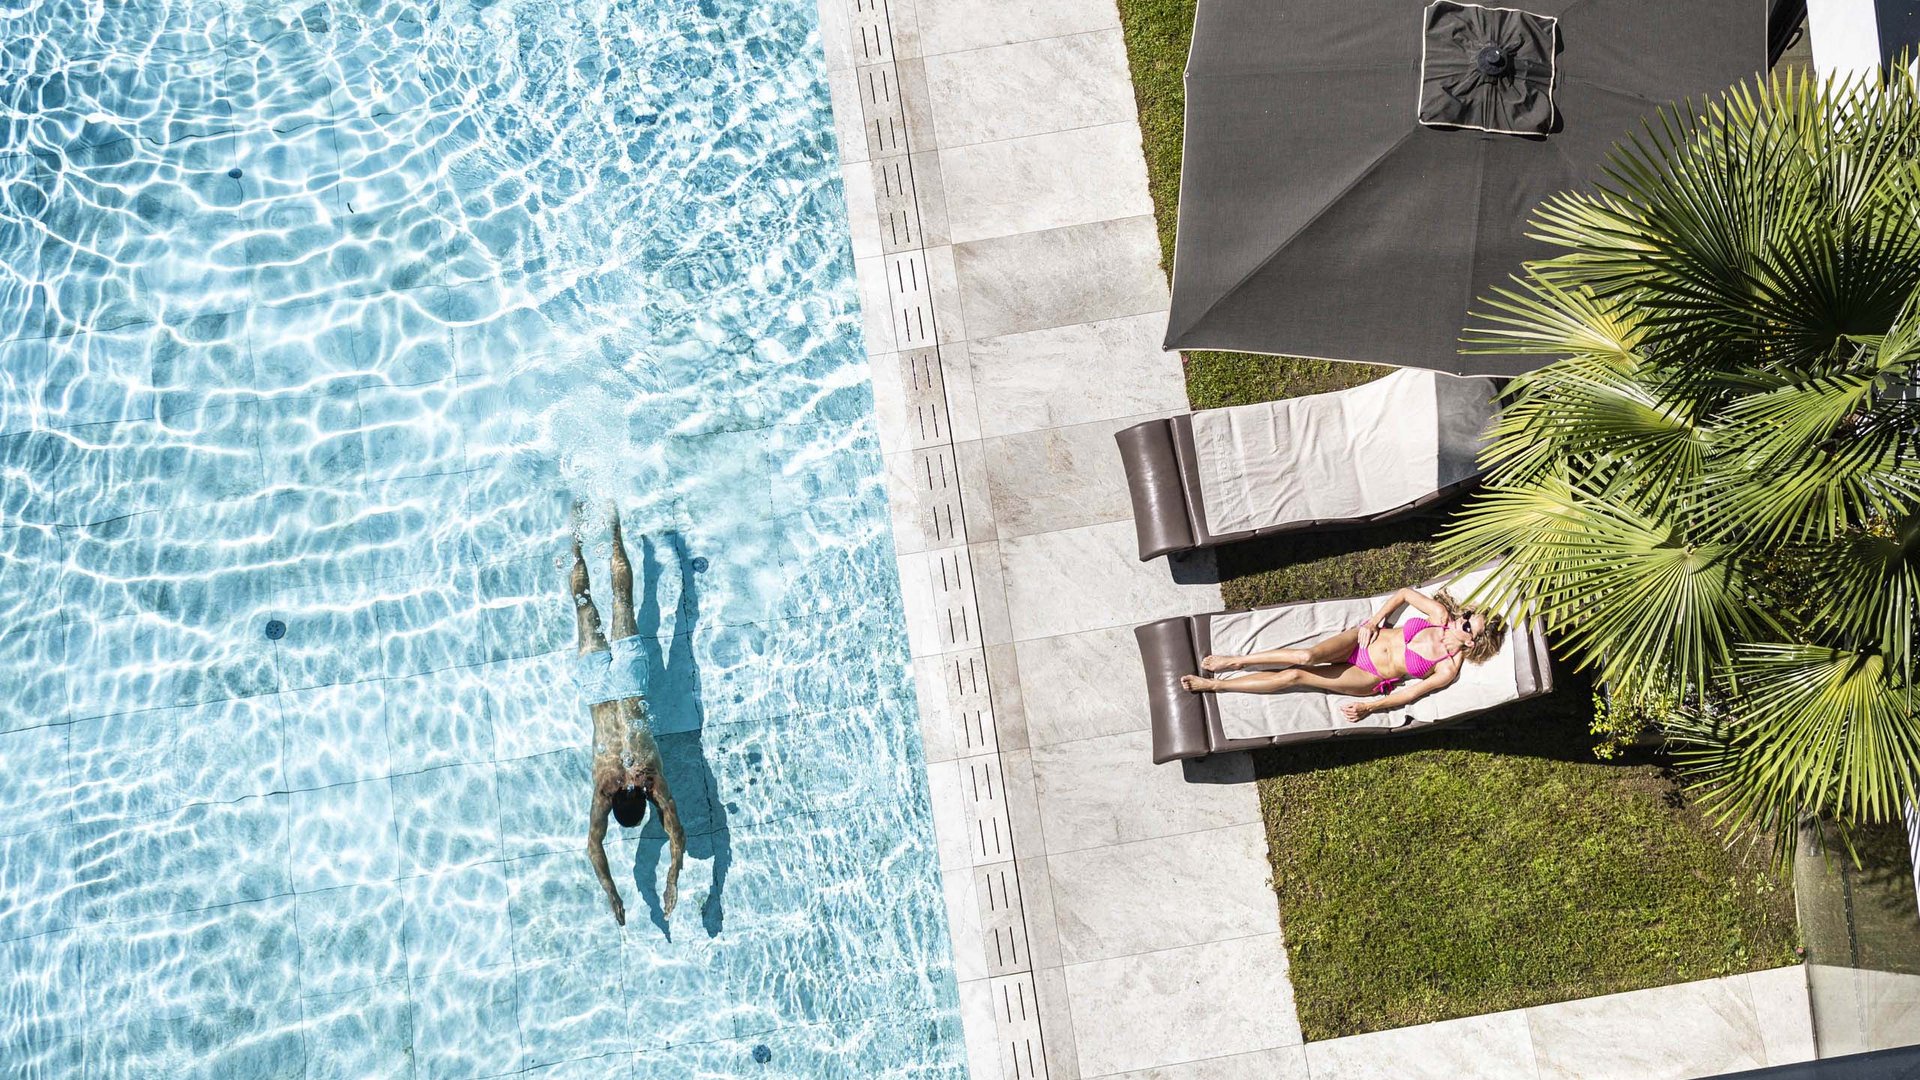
{"x":316,"y":319}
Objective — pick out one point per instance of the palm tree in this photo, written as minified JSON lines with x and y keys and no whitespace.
{"x":1713,"y":493}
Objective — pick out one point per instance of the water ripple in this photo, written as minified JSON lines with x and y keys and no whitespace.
{"x":322,"y":314}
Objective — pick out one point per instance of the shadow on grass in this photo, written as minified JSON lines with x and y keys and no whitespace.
{"x":1319,"y":564}
{"x":1555,"y":727}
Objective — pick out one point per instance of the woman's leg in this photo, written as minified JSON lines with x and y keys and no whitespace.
{"x":1341,"y":678}
{"x":1336,"y":649}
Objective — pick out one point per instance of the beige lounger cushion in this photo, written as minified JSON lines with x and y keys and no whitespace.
{"x":1300,"y":459}
{"x":1251,"y":716}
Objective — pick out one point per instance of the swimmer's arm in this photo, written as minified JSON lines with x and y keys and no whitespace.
{"x":597,"y":853}
{"x":676,"y":841}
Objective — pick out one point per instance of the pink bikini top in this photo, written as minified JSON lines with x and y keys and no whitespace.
{"x":1419,"y":667}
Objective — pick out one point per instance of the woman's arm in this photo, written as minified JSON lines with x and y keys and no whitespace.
{"x":1368,"y":627}
{"x":1421,"y":602}
{"x":1444,"y":675}
{"x":1426,"y":605}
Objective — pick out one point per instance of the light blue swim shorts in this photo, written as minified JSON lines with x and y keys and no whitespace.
{"x":612,"y":674}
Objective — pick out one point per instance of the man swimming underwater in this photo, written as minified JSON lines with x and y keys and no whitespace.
{"x":626,"y":762}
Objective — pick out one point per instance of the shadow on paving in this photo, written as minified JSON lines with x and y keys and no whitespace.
{"x":673,"y":706}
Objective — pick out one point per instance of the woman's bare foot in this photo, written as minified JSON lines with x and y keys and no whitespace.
{"x":1217,"y":662}
{"x":1197,"y":684}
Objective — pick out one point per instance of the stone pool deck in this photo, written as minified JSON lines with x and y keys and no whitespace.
{"x":1111,"y":918}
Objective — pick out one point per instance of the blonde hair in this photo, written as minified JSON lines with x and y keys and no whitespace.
{"x":1493,"y":629}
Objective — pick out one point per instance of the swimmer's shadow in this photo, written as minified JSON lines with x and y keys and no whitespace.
{"x":675,"y":714}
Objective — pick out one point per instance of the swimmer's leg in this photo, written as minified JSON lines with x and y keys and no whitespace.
{"x":586,"y":616}
{"x":623,"y":624}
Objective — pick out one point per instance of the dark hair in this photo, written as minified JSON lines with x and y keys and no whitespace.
{"x":629,"y":806}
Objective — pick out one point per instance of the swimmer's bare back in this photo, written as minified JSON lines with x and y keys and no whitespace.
{"x":626,"y":761}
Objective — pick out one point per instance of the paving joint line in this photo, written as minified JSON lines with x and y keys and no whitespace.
{"x":951,"y":674}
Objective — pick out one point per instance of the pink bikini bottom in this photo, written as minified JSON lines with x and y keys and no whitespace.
{"x":1364,"y":662}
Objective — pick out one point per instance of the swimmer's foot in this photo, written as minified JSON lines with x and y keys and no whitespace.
{"x":1217,"y":662}
{"x":1197,"y":684}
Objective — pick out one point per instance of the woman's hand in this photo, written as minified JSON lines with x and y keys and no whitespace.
{"x":1367,"y":630}
{"x":1356,"y":711}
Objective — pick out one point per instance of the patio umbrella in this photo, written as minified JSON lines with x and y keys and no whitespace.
{"x":1358,"y":172}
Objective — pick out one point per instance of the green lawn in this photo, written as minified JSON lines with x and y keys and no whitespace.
{"x":1499,"y":867}
{"x":1471,"y":870}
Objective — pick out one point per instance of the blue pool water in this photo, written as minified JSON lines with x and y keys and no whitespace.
{"x":325,"y":313}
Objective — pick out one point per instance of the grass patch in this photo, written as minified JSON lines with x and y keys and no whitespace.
{"x":1158,"y":34}
{"x":1470,"y":870}
{"x":1340,"y":562}
{"x":1219,"y":379}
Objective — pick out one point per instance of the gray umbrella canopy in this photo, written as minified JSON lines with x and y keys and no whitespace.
{"x":1338,"y":197}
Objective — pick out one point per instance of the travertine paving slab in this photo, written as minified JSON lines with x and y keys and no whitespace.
{"x":1085,"y":273}
{"x":1057,"y":478}
{"x":1043,"y":936}
{"x":1074,"y":374}
{"x":1162,"y":1008}
{"x":952,"y":25}
{"x":1693,"y":1029}
{"x":1097,"y":792}
{"x":1056,"y":1019}
{"x":943,"y":282}
{"x":845,"y":93}
{"x":1074,"y":177}
{"x":1030,"y":88}
{"x":1163,"y":893}
{"x":1280,"y":1063}
{"x":1088,"y":578}
{"x":865,"y":228}
{"x":1082,"y":685}
{"x":1495,"y":1047}
{"x":1781,"y":1008}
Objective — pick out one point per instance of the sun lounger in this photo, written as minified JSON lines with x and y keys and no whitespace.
{"x":1187,"y":725}
{"x":1356,"y":456}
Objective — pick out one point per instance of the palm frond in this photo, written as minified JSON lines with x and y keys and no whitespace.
{"x":1619,"y":586}
{"x":1869,"y":592}
{"x":1819,"y":729}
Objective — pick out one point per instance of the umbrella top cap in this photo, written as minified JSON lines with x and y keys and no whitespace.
{"x":1487,"y":68}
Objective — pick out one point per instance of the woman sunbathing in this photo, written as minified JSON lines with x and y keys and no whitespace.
{"x":1427,"y":654}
